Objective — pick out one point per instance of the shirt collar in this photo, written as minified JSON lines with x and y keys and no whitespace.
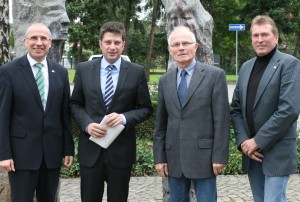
{"x":32,"y":61}
{"x":189,"y":68}
{"x":104,"y":63}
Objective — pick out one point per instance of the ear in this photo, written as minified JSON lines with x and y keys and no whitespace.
{"x":100,"y":43}
{"x":123,"y":45}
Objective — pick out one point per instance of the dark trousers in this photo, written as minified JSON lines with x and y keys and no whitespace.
{"x":44,"y":181}
{"x":93,"y":179}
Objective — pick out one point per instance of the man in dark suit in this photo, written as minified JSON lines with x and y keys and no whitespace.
{"x":129,"y":105}
{"x":265,"y":108}
{"x":35,"y":125}
{"x":191,"y":136}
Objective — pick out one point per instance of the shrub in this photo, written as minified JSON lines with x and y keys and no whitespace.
{"x":144,"y":164}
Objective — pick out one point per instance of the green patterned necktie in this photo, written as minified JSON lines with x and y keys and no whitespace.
{"x":39,"y":78}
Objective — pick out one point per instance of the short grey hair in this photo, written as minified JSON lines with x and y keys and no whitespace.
{"x":182,"y":28}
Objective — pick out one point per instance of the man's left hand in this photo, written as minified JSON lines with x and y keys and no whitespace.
{"x":217,"y":168}
{"x":113,"y":119}
{"x":68,"y":161}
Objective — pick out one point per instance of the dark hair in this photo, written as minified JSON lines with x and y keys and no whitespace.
{"x":114,"y":27}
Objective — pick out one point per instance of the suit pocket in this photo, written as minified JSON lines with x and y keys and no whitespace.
{"x":20,"y":134}
{"x":205,"y":143}
{"x":168,"y":146}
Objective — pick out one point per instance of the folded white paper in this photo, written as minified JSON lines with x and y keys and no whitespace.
{"x":112,"y":133}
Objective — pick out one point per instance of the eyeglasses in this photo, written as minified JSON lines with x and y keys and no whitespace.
{"x":36,"y":38}
{"x":184,"y":44}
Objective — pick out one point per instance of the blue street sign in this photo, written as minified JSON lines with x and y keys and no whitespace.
{"x":237,"y":27}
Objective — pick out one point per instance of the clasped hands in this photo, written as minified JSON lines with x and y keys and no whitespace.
{"x":251,"y":149}
{"x":112,"y":120}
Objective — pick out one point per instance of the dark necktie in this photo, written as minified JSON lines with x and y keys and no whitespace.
{"x":182,"y":88}
{"x":40,"y":81}
{"x":109,"y":86}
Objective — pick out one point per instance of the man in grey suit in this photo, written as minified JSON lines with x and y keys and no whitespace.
{"x":129,"y":105}
{"x":191,"y":134}
{"x":265,"y":108}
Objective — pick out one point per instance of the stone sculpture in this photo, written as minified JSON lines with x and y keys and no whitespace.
{"x":52,"y":13}
{"x":190,"y":13}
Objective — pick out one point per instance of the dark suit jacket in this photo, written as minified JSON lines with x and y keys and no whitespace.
{"x":191,"y":138}
{"x":275,"y":112}
{"x":131,"y":98}
{"x":27,"y":132}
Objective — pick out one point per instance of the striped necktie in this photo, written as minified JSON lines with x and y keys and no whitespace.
{"x":109,"y":86}
{"x":39,"y":79}
{"x":182,"y":88}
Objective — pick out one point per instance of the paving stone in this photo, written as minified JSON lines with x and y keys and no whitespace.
{"x":231,"y":188}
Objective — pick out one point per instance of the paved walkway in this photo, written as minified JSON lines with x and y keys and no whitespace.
{"x":231,"y":188}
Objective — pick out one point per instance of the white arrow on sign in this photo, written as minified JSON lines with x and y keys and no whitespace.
{"x":237,"y":27}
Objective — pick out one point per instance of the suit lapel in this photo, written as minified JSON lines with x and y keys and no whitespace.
{"x":52,"y":83}
{"x":172,"y":85}
{"x":121,"y":81}
{"x":196,"y":79}
{"x":28,"y":76}
{"x":266,"y":77}
{"x":245,"y":82}
{"x":97,"y":83}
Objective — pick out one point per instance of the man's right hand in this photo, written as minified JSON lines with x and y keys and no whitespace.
{"x":162,"y":169}
{"x":95,"y":130}
{"x":7,"y":165}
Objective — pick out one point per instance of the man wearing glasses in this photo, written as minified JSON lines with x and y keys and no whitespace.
{"x":35,"y":133}
{"x":191,"y":134}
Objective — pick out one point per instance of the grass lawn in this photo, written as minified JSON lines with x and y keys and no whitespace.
{"x":71,"y":73}
{"x":153,"y":78}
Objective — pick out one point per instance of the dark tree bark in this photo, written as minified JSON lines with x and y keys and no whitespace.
{"x":4,"y":32}
{"x":156,"y":7}
{"x":4,"y":57}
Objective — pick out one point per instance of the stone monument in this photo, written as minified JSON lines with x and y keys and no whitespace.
{"x":191,"y":13}
{"x":51,"y":13}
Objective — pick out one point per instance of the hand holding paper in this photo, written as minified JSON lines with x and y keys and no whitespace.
{"x":112,"y":133}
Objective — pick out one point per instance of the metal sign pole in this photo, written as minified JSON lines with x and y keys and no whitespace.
{"x":236,"y":28}
{"x":236,"y":55}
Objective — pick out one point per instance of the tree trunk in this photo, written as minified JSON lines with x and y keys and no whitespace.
{"x":296,"y":52}
{"x":4,"y":32}
{"x":129,"y":12}
{"x":151,"y":41}
{"x":4,"y":187}
{"x":4,"y":57}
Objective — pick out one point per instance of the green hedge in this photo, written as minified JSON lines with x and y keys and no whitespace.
{"x":144,"y":164}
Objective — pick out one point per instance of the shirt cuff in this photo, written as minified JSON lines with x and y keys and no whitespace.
{"x":124,"y":119}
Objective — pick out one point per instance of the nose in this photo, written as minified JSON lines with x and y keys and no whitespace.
{"x":64,"y":20}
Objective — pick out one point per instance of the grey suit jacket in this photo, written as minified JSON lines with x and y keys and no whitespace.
{"x":191,"y":138}
{"x":275,"y":112}
{"x":131,"y":99}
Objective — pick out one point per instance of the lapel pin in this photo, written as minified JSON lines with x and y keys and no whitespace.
{"x":53,"y":71}
{"x":274,"y":67}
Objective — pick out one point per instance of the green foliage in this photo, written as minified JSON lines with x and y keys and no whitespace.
{"x":74,"y":170}
{"x":234,"y":165}
{"x":144,"y":165}
{"x":11,"y":39}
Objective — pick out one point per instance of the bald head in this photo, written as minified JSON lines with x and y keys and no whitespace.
{"x":38,"y":26}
